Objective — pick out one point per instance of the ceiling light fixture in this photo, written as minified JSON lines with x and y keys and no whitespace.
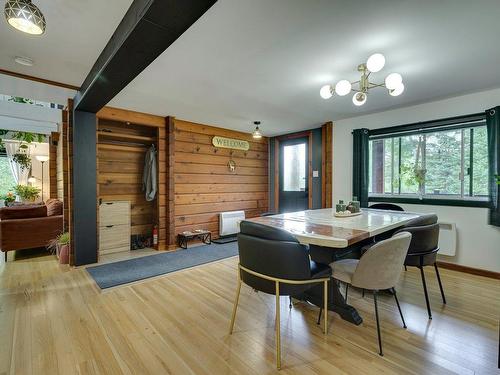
{"x":24,"y":16}
{"x":26,"y":61}
{"x":375,"y":63}
{"x":257,"y":134}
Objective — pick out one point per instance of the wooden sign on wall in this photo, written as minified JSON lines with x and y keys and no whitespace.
{"x":235,"y":144}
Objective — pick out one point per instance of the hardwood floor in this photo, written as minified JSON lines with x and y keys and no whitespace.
{"x":53,"y":320}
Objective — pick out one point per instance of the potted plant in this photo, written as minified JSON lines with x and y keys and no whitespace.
{"x":60,"y":246}
{"x":27,"y":193}
{"x":8,"y":198}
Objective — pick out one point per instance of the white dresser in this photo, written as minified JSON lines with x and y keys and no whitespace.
{"x":114,"y":227}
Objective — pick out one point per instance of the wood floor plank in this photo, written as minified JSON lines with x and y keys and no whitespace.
{"x":54,"y":320}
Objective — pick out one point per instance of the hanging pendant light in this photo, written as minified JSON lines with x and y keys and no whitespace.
{"x":257,"y":133}
{"x":24,"y":16}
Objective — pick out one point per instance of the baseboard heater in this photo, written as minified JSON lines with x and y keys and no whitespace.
{"x":229,"y":226}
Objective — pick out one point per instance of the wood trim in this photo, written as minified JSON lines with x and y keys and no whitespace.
{"x":40,"y":80}
{"x":470,"y":270}
{"x":53,"y":140}
{"x":276,"y":175}
{"x":132,"y":117}
{"x":170,"y":188}
{"x":328,"y":158}
{"x":310,"y":173}
{"x":294,"y":135}
{"x":323,"y":169}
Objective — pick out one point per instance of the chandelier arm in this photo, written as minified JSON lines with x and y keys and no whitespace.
{"x":373,"y":85}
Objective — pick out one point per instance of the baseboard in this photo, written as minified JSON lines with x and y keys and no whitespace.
{"x":471,"y":270}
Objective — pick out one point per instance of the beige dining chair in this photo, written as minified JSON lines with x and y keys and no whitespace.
{"x":378,"y":269}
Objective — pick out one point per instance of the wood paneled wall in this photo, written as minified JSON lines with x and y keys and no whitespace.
{"x":327,"y":167}
{"x":53,"y":142}
{"x":203,"y":184}
{"x":120,"y":169}
{"x":121,"y":149}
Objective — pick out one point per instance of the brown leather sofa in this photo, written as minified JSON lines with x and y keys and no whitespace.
{"x":26,"y":227}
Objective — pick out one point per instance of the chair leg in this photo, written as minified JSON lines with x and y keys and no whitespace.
{"x":319,"y":315}
{"x":399,"y":307}
{"x":325,"y":305}
{"x":439,"y":281}
{"x":346,"y":291}
{"x":406,"y":269}
{"x":290,"y":305}
{"x":425,"y":292}
{"x":378,"y":323}
{"x":5,"y":255}
{"x":278,"y":333}
{"x":238,"y":288}
{"x":363,"y":293}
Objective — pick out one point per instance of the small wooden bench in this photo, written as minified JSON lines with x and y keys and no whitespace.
{"x":204,"y":236}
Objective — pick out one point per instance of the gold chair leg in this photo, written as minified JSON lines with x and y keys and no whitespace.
{"x":325,"y":307}
{"x":278,"y":325}
{"x":238,"y":288}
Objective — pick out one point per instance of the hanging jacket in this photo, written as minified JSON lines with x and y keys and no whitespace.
{"x":149,"y":175}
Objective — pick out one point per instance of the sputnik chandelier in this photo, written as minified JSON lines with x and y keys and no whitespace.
{"x":375,"y":63}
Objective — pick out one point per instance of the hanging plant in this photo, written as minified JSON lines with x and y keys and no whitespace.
{"x":22,"y":158}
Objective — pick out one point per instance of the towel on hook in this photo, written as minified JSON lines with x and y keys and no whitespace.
{"x":149,"y":174}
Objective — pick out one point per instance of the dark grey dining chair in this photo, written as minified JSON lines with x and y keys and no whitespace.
{"x":274,"y":262}
{"x":423,"y":250}
{"x":386,"y":206}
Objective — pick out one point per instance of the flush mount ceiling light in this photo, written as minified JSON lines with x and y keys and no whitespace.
{"x":26,"y":61}
{"x":375,"y":63}
{"x":23,"y":15}
{"x":257,"y":133}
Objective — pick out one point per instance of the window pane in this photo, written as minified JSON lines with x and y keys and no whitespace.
{"x":294,"y":167}
{"x":409,"y":147}
{"x":6,"y":179}
{"x":480,"y":162}
{"x":466,"y":133}
{"x":443,"y":163}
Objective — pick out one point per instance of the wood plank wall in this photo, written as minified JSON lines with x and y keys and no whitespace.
{"x":203,"y":184}
{"x":327,"y":167}
{"x":120,"y":165}
{"x":120,"y":172}
{"x":53,"y":142}
{"x":60,"y":163}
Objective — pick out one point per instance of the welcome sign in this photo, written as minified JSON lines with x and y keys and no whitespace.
{"x":235,"y":144}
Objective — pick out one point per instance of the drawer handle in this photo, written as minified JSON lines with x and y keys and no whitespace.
{"x":109,"y":203}
{"x":109,"y":226}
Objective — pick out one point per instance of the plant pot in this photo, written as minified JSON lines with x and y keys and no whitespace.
{"x":64,"y":254}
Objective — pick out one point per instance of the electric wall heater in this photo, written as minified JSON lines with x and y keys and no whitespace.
{"x":447,"y":238}
{"x":229,"y":222}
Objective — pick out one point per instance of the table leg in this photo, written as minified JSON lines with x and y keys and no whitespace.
{"x":336,"y":301}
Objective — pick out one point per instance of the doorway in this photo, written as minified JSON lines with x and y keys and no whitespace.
{"x":294,"y":175}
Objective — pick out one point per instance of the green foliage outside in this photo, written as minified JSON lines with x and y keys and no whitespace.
{"x":440,"y":171}
{"x":6,"y":179}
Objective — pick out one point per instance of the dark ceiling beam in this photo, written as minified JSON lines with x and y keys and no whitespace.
{"x":148,"y":28}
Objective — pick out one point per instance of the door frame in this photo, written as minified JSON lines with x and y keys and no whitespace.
{"x":306,"y":134}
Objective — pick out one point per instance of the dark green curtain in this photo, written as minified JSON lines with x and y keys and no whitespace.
{"x":493,"y":126}
{"x":360,"y":166}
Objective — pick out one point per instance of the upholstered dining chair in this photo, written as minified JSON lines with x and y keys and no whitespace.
{"x":378,"y":269}
{"x":274,"y":262}
{"x":386,"y":206}
{"x":423,"y":250}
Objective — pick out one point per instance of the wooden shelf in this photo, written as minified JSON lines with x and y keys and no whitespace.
{"x":125,"y":137}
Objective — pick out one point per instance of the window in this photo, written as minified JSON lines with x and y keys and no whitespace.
{"x":294,"y":171}
{"x":6,"y":179}
{"x":434,"y":162}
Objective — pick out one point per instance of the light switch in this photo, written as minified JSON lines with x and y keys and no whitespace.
{"x":315,"y":173}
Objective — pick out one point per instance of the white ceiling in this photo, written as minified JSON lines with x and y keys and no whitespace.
{"x":266,"y":60}
{"x":77,"y":31}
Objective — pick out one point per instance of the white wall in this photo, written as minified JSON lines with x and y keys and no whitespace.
{"x":478,"y":243}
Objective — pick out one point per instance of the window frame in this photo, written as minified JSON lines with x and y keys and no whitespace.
{"x":421,"y":128}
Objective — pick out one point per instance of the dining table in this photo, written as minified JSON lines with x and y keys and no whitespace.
{"x":323,"y":229}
